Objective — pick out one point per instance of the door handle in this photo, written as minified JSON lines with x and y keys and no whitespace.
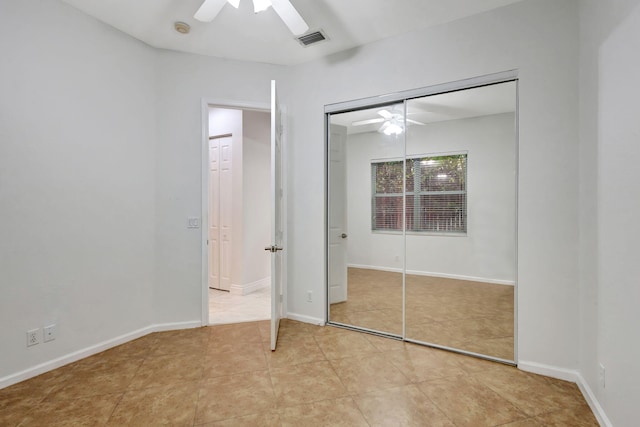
{"x":343,"y":235}
{"x":273,"y":249}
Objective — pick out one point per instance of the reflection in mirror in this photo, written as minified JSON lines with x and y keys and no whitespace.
{"x":461,"y":220}
{"x":363,"y":192}
{"x":422,"y":219}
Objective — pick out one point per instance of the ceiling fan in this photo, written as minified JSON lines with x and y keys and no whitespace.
{"x":392,"y":122}
{"x":297,"y":25}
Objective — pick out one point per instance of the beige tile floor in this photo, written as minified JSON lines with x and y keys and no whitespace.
{"x":225,"y":307}
{"x":472,"y":316}
{"x":319,"y":376}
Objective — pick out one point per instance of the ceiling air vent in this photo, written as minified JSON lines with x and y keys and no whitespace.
{"x":312,"y":38}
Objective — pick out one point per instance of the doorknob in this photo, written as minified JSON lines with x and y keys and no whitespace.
{"x":343,"y":235}
{"x":273,"y":248}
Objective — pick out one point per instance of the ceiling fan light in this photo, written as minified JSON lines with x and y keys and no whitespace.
{"x":392,"y":129}
{"x":260,"y":5}
{"x":234,"y":3}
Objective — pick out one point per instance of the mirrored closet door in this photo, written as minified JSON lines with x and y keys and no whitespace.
{"x":421,"y":218}
{"x":365,"y":269}
{"x":461,"y":220}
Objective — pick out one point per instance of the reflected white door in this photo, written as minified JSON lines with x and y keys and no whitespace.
{"x":219,"y":232}
{"x":337,"y":214}
{"x":277,"y":224}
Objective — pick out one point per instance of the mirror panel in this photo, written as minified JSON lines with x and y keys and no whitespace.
{"x":461,"y":220}
{"x":366,"y":246}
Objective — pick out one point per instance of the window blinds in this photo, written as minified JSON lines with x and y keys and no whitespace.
{"x":435,"y":196}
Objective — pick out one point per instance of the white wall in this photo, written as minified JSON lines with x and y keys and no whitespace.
{"x":93,"y":228}
{"x":183,"y":80}
{"x":487,"y":251}
{"x":256,"y":193}
{"x":539,"y":38}
{"x":610,"y":204}
{"x":77,"y":182}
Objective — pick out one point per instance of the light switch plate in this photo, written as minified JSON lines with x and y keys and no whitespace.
{"x":193,"y":222}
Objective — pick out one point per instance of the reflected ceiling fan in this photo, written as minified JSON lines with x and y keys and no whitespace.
{"x":392,"y":122}
{"x":296,"y":24}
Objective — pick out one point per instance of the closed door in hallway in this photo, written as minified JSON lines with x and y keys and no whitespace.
{"x":219,"y":235}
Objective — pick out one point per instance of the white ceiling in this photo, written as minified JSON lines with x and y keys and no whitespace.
{"x":241,"y":34}
{"x":480,"y":101}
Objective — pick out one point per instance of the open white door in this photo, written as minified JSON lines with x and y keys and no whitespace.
{"x":337,"y":214}
{"x":277,"y":225}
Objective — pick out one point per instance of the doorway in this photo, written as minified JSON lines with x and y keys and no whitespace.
{"x":238,"y":214}
{"x":422,"y":216}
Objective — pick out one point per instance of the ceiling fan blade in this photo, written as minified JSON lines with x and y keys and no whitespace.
{"x":367,"y":122}
{"x":290,"y":16}
{"x":386,"y":114}
{"x":209,"y":10}
{"x":415,"y":122}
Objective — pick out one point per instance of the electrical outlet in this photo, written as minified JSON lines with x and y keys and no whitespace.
{"x":50,"y":333}
{"x":309,"y":296}
{"x":602,"y":376}
{"x":33,"y":337}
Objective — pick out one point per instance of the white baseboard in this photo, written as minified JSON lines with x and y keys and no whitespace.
{"x":175,"y":326}
{"x":306,"y":319}
{"x":549,"y":371}
{"x":374,"y":267}
{"x":90,"y":351}
{"x":575,"y":377}
{"x":250,"y":287}
{"x":433,"y":274}
{"x":591,"y":399}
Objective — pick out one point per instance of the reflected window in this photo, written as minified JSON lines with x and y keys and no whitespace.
{"x":436,"y":196}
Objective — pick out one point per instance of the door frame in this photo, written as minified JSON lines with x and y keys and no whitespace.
{"x":206,"y":103}
{"x":403,"y":96}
